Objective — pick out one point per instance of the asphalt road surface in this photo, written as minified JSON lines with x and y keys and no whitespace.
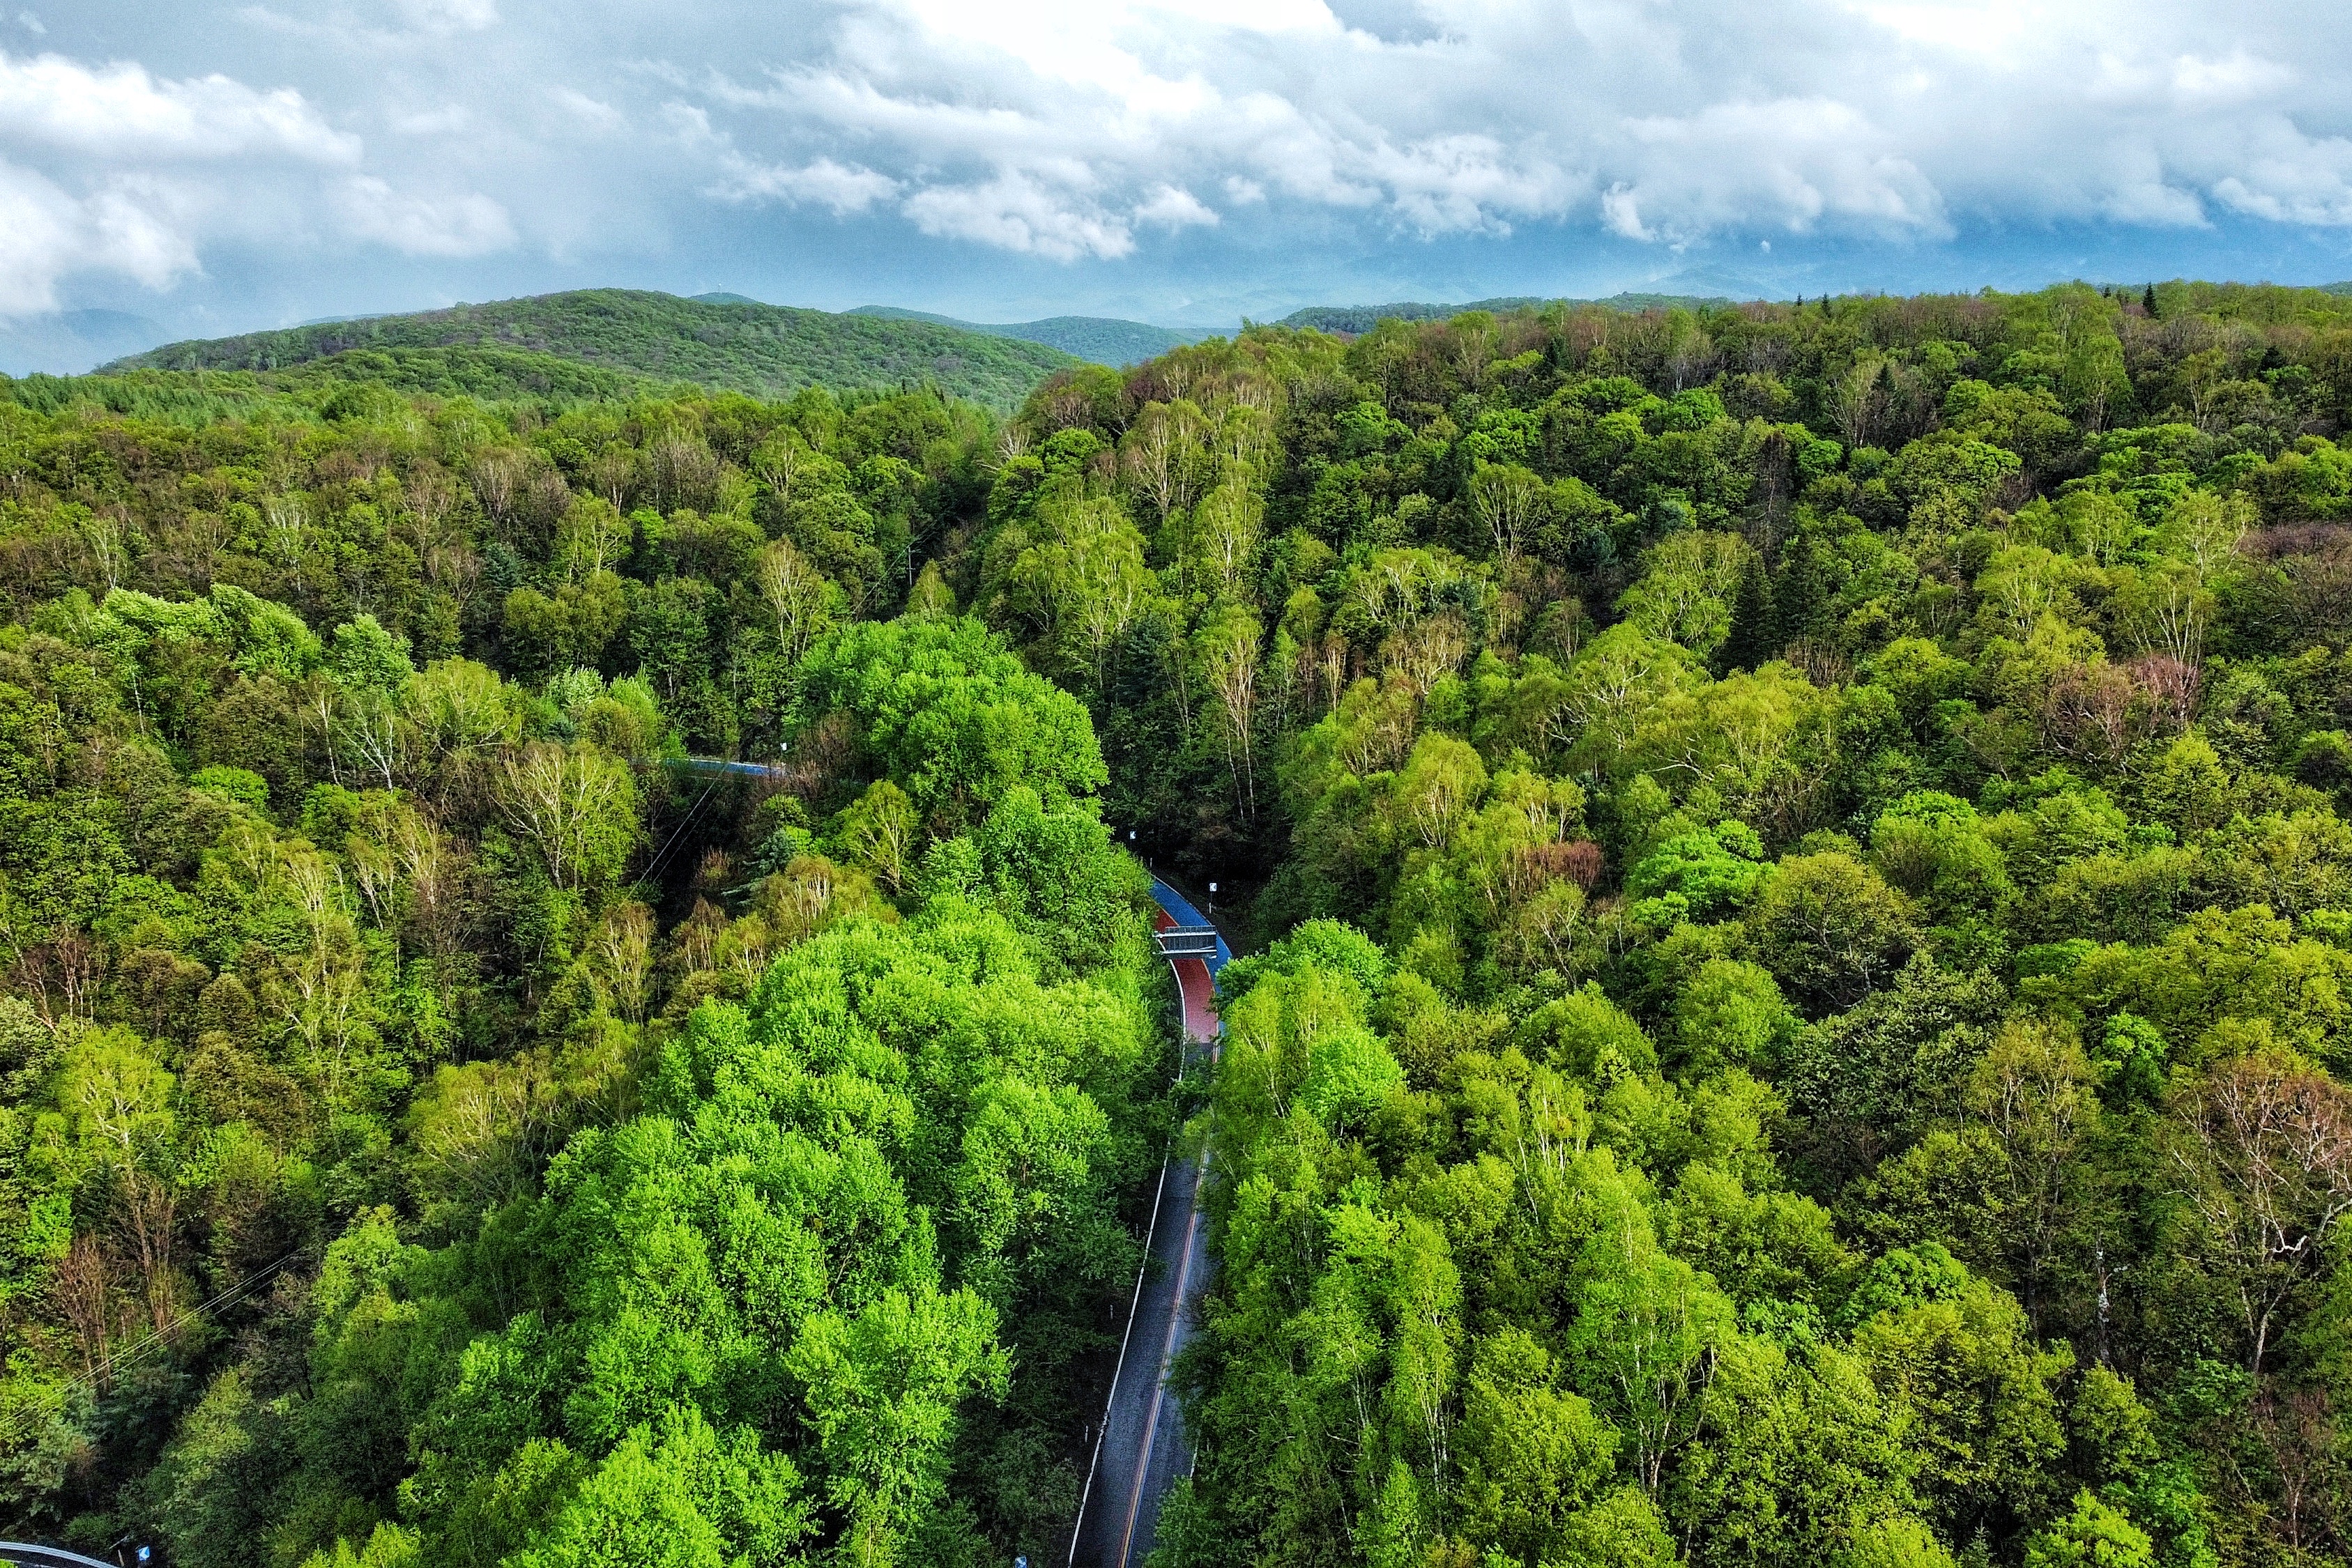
{"x":1141,"y":1447}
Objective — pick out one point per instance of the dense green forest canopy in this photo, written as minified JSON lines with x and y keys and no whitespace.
{"x":311,"y":390}
{"x":634,"y":337}
{"x":1800,"y":855}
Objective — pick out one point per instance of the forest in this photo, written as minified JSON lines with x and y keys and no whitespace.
{"x":622,"y":342}
{"x":1793,"y":860}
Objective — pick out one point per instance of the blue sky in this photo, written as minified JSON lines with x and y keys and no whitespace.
{"x":218,"y":167}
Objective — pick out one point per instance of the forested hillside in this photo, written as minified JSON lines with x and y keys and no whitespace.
{"x":1800,"y":856}
{"x":736,"y":345}
{"x":1106,"y":341}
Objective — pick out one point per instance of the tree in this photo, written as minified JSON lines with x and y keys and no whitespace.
{"x":882,"y":1389}
{"x":1749,"y":641}
{"x":1643,"y":1346}
{"x":680,"y":1495}
{"x":880,"y":831}
{"x":2092,"y":1536}
{"x":460,"y":709}
{"x":951,"y":714}
{"x":1227,"y":648}
{"x":1713,"y":872}
{"x":2032,"y":1090}
{"x":804,"y":602}
{"x":1614,"y":681}
{"x":1436,"y":789}
{"x":1687,"y":589}
{"x":1226,"y":528}
{"x":1532,"y":1454}
{"x":1830,"y":928}
{"x":115,"y":1099}
{"x":1953,"y":1354}
{"x":1896,"y":1544}
{"x":364,"y":657}
{"x":591,"y":537}
{"x":1506,"y":499}
{"x":1162,"y":453}
{"x":2266,"y":1149}
{"x":1090,"y":576}
{"x":1801,"y":1458}
{"x":576,"y":807}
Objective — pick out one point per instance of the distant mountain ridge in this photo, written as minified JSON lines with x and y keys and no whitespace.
{"x":638,"y":336}
{"x":1353,"y":319}
{"x":1105,"y":339}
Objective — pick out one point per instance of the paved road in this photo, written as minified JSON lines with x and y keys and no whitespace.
{"x":1141,"y":1448}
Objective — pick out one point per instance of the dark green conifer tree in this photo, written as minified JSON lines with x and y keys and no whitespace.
{"x":1797,"y":595}
{"x":1750,"y":643}
{"x":2147,"y":301}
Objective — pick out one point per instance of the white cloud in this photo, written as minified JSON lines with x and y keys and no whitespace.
{"x":120,"y":111}
{"x":1621,"y":212}
{"x":822,"y":182}
{"x":1791,"y":164}
{"x":1015,"y":213}
{"x":2152,"y":204}
{"x":1172,"y":207}
{"x":50,"y":234}
{"x":448,"y":16}
{"x":470,"y":224}
{"x":594,"y":113}
{"x":2239,"y":78}
{"x":1468,"y":182}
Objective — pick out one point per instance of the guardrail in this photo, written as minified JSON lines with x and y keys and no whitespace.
{"x":30,"y":1556}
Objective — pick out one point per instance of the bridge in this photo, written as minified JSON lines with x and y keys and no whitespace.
{"x":1188,"y":942}
{"x":724,"y":766}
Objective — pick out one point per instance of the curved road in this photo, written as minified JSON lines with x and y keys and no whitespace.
{"x":1141,"y":1448}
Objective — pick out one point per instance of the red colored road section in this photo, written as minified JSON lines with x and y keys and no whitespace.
{"x":1192,"y":979}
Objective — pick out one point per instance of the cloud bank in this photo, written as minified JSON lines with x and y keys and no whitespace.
{"x":1045,"y":126}
{"x":1078,"y":134}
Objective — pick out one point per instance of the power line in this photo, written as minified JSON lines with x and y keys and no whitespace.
{"x":107,"y":1368}
{"x":663,"y":854}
